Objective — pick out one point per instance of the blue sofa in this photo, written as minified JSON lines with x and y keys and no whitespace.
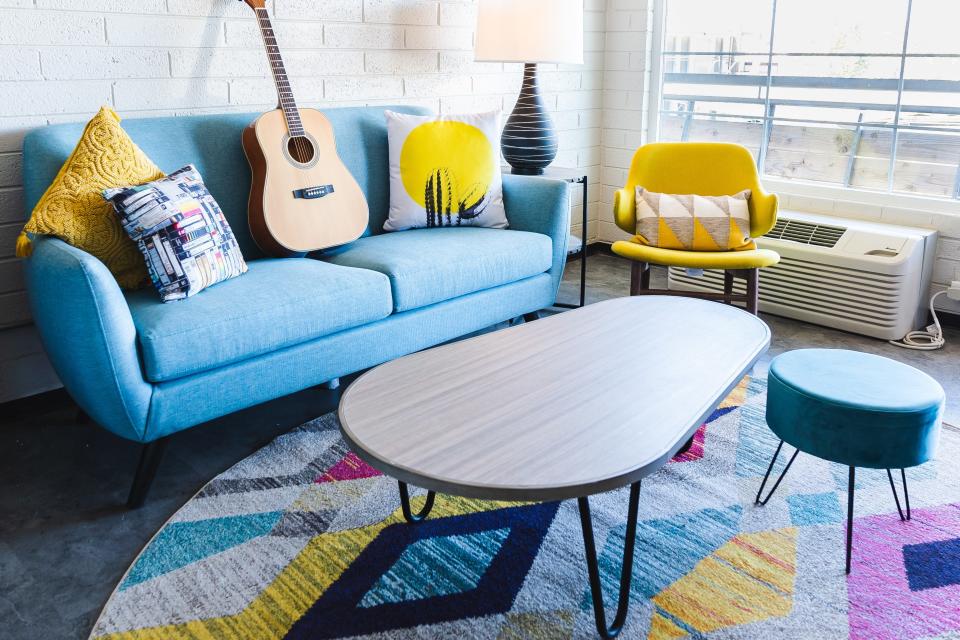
{"x":146,"y":370}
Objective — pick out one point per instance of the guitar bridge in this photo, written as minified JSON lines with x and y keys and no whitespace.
{"x":311,"y":193}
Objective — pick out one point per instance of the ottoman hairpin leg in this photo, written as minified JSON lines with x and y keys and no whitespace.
{"x":896,"y":498}
{"x":766,"y":477}
{"x":851,"y":483}
{"x":405,"y":505}
{"x":906,"y":494}
{"x":850,"y":490}
{"x":626,"y":572}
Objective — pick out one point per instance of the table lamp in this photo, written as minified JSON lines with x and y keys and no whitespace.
{"x":531,"y":32}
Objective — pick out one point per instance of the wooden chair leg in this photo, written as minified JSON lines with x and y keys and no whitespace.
{"x":639,"y":278}
{"x":727,"y":286}
{"x":753,"y":290}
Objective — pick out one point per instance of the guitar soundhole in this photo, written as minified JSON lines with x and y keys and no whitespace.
{"x":301,"y":149}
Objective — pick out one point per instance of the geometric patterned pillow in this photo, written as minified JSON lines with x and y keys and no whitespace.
{"x":692,"y":222}
{"x":181,"y":232}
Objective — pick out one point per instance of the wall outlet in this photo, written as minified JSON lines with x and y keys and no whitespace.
{"x":953,"y":292}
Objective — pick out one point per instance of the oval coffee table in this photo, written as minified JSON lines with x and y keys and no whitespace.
{"x":565,"y":407}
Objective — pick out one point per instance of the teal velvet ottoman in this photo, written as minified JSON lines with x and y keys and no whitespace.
{"x":857,"y":409}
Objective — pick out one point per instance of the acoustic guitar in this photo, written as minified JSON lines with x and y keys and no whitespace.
{"x":302,"y":197}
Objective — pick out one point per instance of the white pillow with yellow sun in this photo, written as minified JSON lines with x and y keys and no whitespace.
{"x":445,"y":171}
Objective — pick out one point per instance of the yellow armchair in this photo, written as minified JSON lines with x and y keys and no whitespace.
{"x":703,"y":168}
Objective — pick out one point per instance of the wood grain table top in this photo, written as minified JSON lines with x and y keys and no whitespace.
{"x":567,"y":406}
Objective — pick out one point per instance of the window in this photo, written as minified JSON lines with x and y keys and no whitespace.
{"x":860,"y":94}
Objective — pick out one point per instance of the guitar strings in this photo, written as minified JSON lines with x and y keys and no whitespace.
{"x":264,"y":20}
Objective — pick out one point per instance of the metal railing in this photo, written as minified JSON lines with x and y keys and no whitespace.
{"x":765,"y":82}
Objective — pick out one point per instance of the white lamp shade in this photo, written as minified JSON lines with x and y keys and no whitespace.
{"x":549,"y":31}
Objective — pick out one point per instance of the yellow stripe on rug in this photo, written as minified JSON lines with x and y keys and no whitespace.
{"x":749,"y":578}
{"x":319,"y":564}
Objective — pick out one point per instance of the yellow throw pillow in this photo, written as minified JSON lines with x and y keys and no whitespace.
{"x":690,"y":222}
{"x":73,"y":207}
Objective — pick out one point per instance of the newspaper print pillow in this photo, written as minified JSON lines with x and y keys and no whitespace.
{"x":181,"y":232}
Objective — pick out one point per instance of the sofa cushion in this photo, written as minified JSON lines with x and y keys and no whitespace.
{"x":278,"y":303}
{"x":426,"y":266}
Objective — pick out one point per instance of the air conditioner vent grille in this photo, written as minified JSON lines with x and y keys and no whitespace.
{"x":821,"y":235}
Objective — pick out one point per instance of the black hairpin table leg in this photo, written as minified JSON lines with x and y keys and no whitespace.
{"x":766,"y":477}
{"x":626,"y":572}
{"x":405,"y":505}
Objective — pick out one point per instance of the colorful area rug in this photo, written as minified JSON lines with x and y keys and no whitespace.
{"x":303,"y":540}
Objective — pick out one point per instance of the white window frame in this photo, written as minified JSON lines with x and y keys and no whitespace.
{"x":803,"y":189}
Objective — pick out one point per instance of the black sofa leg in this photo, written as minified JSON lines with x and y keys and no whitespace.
{"x":530,"y":317}
{"x":150,"y":458}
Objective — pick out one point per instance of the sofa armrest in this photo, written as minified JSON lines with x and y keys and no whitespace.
{"x":89,"y":335}
{"x":543,"y":206}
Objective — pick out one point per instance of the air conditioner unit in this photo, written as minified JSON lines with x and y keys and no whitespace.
{"x":863,"y":277}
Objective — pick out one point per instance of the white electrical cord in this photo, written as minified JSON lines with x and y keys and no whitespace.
{"x":927,"y":339}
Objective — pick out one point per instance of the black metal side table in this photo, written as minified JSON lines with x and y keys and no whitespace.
{"x":573,"y":176}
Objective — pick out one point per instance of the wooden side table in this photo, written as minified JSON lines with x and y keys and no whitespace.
{"x":573,"y":176}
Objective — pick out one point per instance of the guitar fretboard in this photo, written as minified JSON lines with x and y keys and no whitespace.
{"x":284,"y":92}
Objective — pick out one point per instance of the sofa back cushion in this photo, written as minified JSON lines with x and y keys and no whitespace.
{"x":212,"y":144}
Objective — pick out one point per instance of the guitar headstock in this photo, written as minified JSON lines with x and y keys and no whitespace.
{"x":256,"y":4}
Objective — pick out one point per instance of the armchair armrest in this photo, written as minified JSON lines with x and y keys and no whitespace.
{"x":543,"y":206}
{"x":764,"y":212}
{"x":89,"y":335}
{"x":624,"y":209}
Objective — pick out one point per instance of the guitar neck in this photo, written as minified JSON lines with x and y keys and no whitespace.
{"x":284,"y":92}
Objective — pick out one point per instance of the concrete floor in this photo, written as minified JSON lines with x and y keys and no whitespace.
{"x":65,"y":538}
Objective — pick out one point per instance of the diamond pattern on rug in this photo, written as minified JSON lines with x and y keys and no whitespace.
{"x":305,"y":475}
{"x":181,"y":543}
{"x":931,"y":565}
{"x":885,"y":551}
{"x":351,"y":467}
{"x":756,"y":443}
{"x":539,"y":624}
{"x":439,"y":566}
{"x":696,"y":450}
{"x":807,"y":509}
{"x":701,"y":541}
{"x":303,"y":524}
{"x":665,"y":550}
{"x":347,"y":608}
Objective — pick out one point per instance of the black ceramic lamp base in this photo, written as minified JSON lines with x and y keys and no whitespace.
{"x":529,"y":141}
{"x":525,"y":171}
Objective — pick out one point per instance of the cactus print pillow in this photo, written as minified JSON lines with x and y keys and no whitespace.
{"x":445,"y":171}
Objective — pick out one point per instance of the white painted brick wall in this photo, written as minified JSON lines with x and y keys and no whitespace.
{"x":626,"y":80}
{"x":65,"y":58}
